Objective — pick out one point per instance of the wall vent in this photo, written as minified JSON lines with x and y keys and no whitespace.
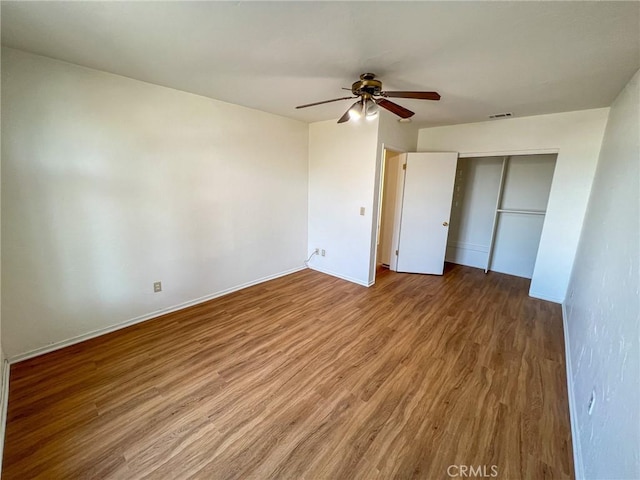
{"x":501,"y":115}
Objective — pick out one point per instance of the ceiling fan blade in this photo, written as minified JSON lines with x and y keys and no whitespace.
{"x":326,"y":101}
{"x":394,"y":108}
{"x":418,"y":95}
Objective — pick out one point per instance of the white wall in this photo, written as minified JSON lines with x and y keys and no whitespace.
{"x":110,"y":184}
{"x":345,"y":163}
{"x":342,"y":170}
{"x":516,"y":244}
{"x":602,"y":307}
{"x":528,"y":182}
{"x":4,"y":376}
{"x":577,"y":136}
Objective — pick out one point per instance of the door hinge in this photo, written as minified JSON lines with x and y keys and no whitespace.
{"x":404,"y":166}
{"x":396,"y":252}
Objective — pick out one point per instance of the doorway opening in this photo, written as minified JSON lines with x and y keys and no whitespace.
{"x":390,"y":205}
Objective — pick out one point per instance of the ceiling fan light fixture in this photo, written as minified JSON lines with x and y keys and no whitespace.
{"x":355,"y":112}
{"x":371,"y":109}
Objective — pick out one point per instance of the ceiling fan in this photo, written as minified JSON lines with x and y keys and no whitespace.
{"x":366,"y":90}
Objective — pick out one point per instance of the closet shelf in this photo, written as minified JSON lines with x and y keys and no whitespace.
{"x":524,"y":212}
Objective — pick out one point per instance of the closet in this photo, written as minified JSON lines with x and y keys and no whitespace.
{"x":498,"y":210}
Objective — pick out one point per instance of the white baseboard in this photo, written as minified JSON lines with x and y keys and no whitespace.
{"x":343,"y":277}
{"x":573,"y":412}
{"x":467,"y":254}
{"x":143,"y":318}
{"x":548,"y":298}
{"x":4,"y":403}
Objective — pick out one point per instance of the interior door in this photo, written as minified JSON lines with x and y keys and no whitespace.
{"x":426,"y":207}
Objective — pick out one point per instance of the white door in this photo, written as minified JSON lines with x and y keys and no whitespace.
{"x":426,"y":207}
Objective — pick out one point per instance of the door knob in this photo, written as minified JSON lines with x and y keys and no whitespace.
{"x":445,"y":224}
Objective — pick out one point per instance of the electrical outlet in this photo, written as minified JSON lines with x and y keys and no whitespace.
{"x":362,"y":211}
{"x":323,"y":252}
{"x":157,"y":287}
{"x":317,"y":251}
{"x":592,"y":402}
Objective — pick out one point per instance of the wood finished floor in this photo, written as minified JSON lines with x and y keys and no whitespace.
{"x":307,"y":377}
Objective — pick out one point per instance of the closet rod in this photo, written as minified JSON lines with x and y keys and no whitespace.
{"x":523,"y":212}
{"x":503,"y":174}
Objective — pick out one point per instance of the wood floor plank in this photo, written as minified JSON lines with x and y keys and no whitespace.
{"x":307,"y":377}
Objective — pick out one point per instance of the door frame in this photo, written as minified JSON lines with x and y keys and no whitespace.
{"x":378,"y":209}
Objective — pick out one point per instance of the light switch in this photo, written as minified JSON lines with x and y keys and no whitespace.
{"x":362,"y":211}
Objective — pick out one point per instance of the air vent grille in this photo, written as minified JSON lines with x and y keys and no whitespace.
{"x":501,"y":115}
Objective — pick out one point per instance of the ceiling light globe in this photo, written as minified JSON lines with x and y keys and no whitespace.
{"x":355,"y":112}
{"x":371,"y":109}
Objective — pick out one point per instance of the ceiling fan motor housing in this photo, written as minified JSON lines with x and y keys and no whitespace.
{"x":367,"y":86}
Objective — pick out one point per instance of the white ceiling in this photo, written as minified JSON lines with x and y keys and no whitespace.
{"x":528,"y":58}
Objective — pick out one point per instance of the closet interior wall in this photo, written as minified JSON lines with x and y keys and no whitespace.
{"x":498,"y":212}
